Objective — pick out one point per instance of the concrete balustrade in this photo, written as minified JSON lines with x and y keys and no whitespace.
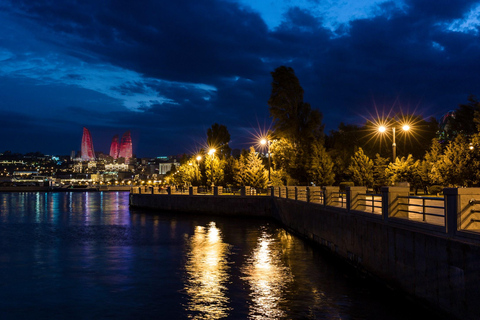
{"x":356,"y":198}
{"x":391,"y":204}
{"x":192,"y":191}
{"x":462,"y":209}
{"x":330,"y":193}
{"x":217,"y":190}
{"x":282,"y":192}
{"x":315,"y":194}
{"x":291,"y":193}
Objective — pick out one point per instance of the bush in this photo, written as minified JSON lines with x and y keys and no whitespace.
{"x":435,"y":189}
{"x":346,"y":184}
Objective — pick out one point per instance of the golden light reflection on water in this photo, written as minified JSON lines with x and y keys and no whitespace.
{"x":207,"y":274}
{"x":267,"y":278}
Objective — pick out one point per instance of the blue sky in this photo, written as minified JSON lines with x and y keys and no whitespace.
{"x":168,"y":70}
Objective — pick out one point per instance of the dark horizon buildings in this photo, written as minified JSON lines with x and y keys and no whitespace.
{"x":124,"y":149}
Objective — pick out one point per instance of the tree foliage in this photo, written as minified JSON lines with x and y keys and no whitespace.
{"x":250,"y":171}
{"x":294,"y":121}
{"x":458,"y":165}
{"x":218,"y":137}
{"x":321,"y":166}
{"x":293,"y":118}
{"x":402,"y":170}
{"x":255,"y":173}
{"x":239,"y":171}
{"x":361,"y":169}
{"x":379,"y":175}
{"x":214,"y":170}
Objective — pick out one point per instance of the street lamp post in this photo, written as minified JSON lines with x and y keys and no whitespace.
{"x":405,"y":127}
{"x":198,"y":173}
{"x":211,"y":152}
{"x":267,"y":142}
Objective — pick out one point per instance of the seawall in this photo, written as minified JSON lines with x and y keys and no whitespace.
{"x":420,"y":260}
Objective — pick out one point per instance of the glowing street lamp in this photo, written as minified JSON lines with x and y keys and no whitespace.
{"x":266,"y":142}
{"x":382,"y":129}
{"x":211,"y":152}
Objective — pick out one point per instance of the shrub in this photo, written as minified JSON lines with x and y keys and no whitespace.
{"x":435,"y":189}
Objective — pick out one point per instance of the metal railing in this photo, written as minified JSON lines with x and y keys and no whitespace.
{"x":372,"y":202}
{"x":317,"y":196}
{"x":422,"y":208}
{"x":302,"y":193}
{"x":340,"y":199}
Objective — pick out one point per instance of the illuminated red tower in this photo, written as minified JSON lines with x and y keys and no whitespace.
{"x":114,"y":147}
{"x":126,"y":146}
{"x":87,"y":146}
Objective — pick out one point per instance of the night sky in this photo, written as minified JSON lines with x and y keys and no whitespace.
{"x":168,"y":70}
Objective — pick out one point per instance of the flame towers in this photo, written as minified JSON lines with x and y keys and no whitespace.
{"x":87,"y":146}
{"x":118,"y":149}
{"x":126,"y":146}
{"x":114,"y":147}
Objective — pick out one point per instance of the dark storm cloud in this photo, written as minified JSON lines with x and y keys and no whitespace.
{"x":173,"y":40}
{"x":188,"y":64}
{"x":439,"y":9}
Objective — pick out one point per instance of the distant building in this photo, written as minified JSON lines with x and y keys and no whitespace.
{"x":126,"y":147}
{"x":87,"y":146}
{"x":114,"y":147}
{"x":165,"y":167}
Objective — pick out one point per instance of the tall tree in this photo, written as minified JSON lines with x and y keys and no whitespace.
{"x":458,"y":166}
{"x":362,"y":169}
{"x":379,"y":176}
{"x":432,"y":159}
{"x":321,"y":166}
{"x":341,"y":144}
{"x":255,"y":173}
{"x":403,"y":170}
{"x":239,"y":171}
{"x":218,"y":137}
{"x":465,"y":117}
{"x":294,"y":120}
{"x":214,"y":167}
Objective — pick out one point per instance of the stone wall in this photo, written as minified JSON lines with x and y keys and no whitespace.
{"x":225,"y":205}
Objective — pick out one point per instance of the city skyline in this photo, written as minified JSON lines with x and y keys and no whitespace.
{"x":168,"y":71}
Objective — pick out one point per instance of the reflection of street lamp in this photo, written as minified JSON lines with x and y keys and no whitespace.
{"x":382,"y":129}
{"x":211,"y":152}
{"x":267,"y":142}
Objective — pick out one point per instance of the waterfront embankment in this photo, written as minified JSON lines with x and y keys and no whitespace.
{"x":432,"y":263}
